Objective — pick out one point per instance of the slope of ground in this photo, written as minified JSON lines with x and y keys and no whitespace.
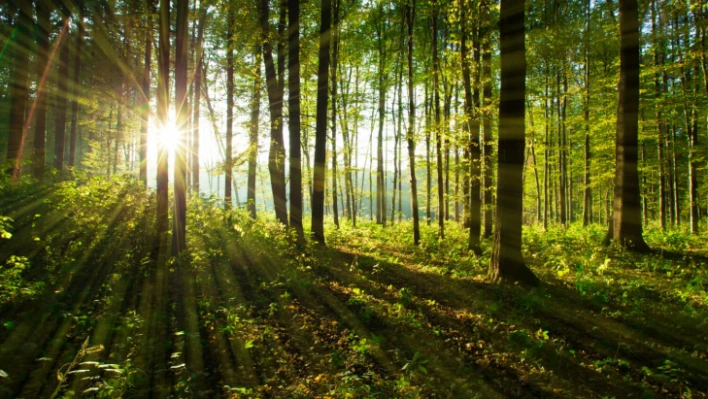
{"x":88,"y":309}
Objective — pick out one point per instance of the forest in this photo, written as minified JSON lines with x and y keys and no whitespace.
{"x":353,"y":199}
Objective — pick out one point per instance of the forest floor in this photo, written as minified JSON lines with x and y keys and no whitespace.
{"x":86,"y":309}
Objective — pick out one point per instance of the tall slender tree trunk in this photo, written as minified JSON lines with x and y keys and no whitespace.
{"x":44,"y":9}
{"x":275,"y":88}
{"x":437,"y":127}
{"x":675,"y":177}
{"x":179,"y":220}
{"x":397,"y":122}
{"x":61,"y":99}
{"x":294,"y":119}
{"x":473,"y":199}
{"x":411,"y":124}
{"x":333,"y":74}
{"x":380,"y":173}
{"x":163,"y":105}
{"x":75,"y":86}
{"x":144,"y":98}
{"x":560,"y":104}
{"x":429,"y":174}
{"x":253,"y":134}
{"x":488,"y":171}
{"x":507,"y":262}
{"x":692,"y":162}
{"x":660,"y":126}
{"x":19,"y":85}
{"x":627,"y":223}
{"x":645,"y":207}
{"x":198,"y":72}
{"x":587,"y":190}
{"x":228,"y":156}
{"x":546,"y":163}
{"x":318,"y":195}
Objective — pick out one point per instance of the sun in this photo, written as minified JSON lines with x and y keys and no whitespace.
{"x":169,"y":136}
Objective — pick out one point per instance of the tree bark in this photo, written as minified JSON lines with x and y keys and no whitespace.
{"x":145,"y":96}
{"x":44,"y":10}
{"x":627,"y":223}
{"x":472,"y":107}
{"x":61,"y":99}
{"x":318,"y":194}
{"x":179,"y":220}
{"x":275,"y":88}
{"x":411,"y":124}
{"x":163,"y":105}
{"x":507,"y":262}
{"x":437,"y":127}
{"x":333,"y":67}
{"x":487,"y":137}
{"x":380,"y":173}
{"x":294,"y":119}
{"x":587,"y":191}
{"x":253,"y":134}
{"x":75,"y":86}
{"x":198,"y":72}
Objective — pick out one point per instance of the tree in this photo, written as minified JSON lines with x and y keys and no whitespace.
{"x":275,"y":87}
{"x":380,"y":20}
{"x":228,"y":161}
{"x":318,"y":180}
{"x":626,"y":228}
{"x":198,"y":72}
{"x":179,"y":221}
{"x":44,"y":9}
{"x":472,"y":153}
{"x":507,"y":262}
{"x":61,"y":99}
{"x":75,"y":85}
{"x":145,"y":95}
{"x":18,"y":86}
{"x":163,"y":105}
{"x":294,"y":118}
{"x":437,"y":127}
{"x":410,"y":20}
{"x":253,"y":133}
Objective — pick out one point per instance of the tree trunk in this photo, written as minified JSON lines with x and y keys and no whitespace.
{"x":411,"y":124}
{"x":692,"y":162}
{"x":198,"y":71}
{"x":561,"y":151}
{"x":507,"y":262}
{"x":294,"y":119}
{"x":228,"y":163}
{"x":380,"y":173}
{"x":437,"y":127}
{"x":472,"y":107}
{"x":335,"y":55}
{"x":163,"y":105}
{"x":253,"y":134}
{"x":487,"y":138}
{"x":587,"y":191}
{"x":44,"y":9}
{"x":179,"y":221}
{"x":318,"y":194}
{"x":61,"y":99}
{"x":275,"y":88}
{"x":627,"y":223}
{"x":428,"y":175}
{"x":145,"y":96}
{"x":75,"y":87}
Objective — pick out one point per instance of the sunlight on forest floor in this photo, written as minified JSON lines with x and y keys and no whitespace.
{"x":85,"y":309}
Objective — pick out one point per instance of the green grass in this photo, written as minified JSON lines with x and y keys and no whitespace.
{"x":88,"y":309}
